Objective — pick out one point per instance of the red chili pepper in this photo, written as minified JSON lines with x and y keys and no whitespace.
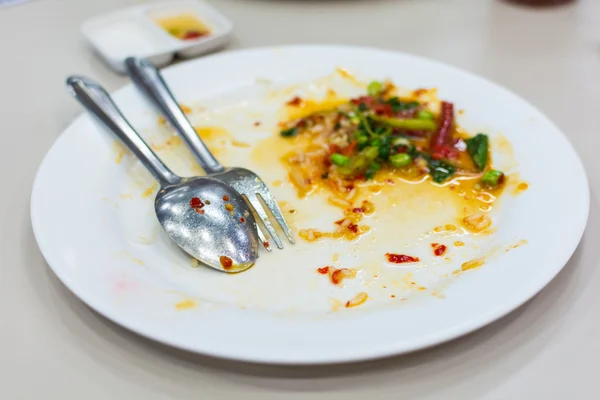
{"x":296,"y":101}
{"x":353,"y":228}
{"x":334,"y":148}
{"x":358,"y":210}
{"x":226,"y":262}
{"x":400,"y":258}
{"x":189,"y":35}
{"x":438,"y":249}
{"x":441,"y":142}
{"x":323,"y":270}
{"x":366,"y":100}
{"x":348,"y":150}
{"x":196,"y":203}
{"x":383,"y":109}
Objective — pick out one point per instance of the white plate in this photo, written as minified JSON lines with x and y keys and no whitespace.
{"x":95,"y":226}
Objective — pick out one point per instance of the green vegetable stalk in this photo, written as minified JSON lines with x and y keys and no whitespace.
{"x":407,"y":124}
{"x":359,"y":163}
{"x":424,"y":114}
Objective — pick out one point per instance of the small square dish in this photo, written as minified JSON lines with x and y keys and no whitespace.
{"x":157,"y":31}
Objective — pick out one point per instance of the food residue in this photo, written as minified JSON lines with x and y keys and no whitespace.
{"x":197,"y":205}
{"x":185,"y":305}
{"x":438,"y":249}
{"x":521,"y":187}
{"x":226,"y":262}
{"x":148,"y":192}
{"x":295,"y":102}
{"x":357,"y":300}
{"x":323,"y":270}
{"x":226,"y":198}
{"x":347,"y":227}
{"x":352,"y":147}
{"x":472,"y":264}
{"x":172,"y":142}
{"x":184,"y":27}
{"x":477,"y":222}
{"x":337,"y":275}
{"x":400,"y":258}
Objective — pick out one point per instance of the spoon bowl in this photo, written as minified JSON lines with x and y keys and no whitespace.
{"x":219,"y":232}
{"x":204,"y":216}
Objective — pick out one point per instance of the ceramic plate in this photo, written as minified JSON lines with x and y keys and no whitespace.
{"x":98,"y":233}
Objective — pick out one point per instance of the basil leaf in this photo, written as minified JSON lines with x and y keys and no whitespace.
{"x":440,"y":171}
{"x":398,"y":105}
{"x":478,"y":147}
{"x":289,"y":132}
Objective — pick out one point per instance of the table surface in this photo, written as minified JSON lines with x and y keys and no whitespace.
{"x":52,"y":346}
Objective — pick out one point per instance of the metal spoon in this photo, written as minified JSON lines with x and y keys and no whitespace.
{"x":193,"y":211}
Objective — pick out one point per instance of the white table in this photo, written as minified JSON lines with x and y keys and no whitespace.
{"x":53,"y":347}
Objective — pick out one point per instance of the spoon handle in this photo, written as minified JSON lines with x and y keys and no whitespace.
{"x":149,"y":80}
{"x":99,"y":103}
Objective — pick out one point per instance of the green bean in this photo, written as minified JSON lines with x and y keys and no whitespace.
{"x":374,"y":88}
{"x":400,"y":160}
{"x":492,"y":177}
{"x":339,"y":159}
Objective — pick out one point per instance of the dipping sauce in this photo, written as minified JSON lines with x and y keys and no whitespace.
{"x":184,"y":27}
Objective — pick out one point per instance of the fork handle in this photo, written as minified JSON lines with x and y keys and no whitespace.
{"x":149,"y":80}
{"x":98,"y":102}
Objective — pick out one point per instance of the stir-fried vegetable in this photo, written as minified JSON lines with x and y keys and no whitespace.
{"x":400,"y":160}
{"x":382,"y":131}
{"x":289,"y":132}
{"x":440,"y":171}
{"x":374,"y":88}
{"x":477,"y":147}
{"x":407,"y":124}
{"x":424,"y":114}
{"x":339,"y":159}
{"x":492,"y":178}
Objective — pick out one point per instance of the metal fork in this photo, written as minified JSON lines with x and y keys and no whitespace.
{"x":148,"y":79}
